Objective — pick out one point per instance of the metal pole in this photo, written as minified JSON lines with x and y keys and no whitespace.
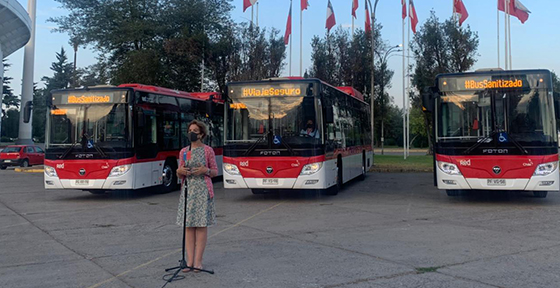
{"x":291,"y":21}
{"x":373,"y":75}
{"x":300,"y":42}
{"x":257,"y":14}
{"x":509,"y":41}
{"x":404,"y":92}
{"x":25,"y":135}
{"x":506,"y":10}
{"x":408,"y":90}
{"x":498,"y":30}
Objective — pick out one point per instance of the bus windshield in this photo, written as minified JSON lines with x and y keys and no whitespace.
{"x":288,"y":120}
{"x":93,"y":126}
{"x":525,"y":116}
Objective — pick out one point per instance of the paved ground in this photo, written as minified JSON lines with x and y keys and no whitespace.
{"x":391,"y":230}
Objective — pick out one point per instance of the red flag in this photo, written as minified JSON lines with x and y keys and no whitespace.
{"x":403,"y":2}
{"x":288,"y":27}
{"x":304,"y":5}
{"x":516,"y":8}
{"x":459,"y":8}
{"x":248,"y":3}
{"x":368,"y":21}
{"x":413,"y":17}
{"x":331,"y":21}
{"x":354,"y":7}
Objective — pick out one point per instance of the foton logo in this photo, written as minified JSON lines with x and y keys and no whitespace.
{"x":465,"y":162}
{"x":495,"y":151}
{"x":244,"y":164}
{"x":60,"y":166}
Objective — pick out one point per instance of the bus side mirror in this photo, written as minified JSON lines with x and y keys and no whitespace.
{"x":209,"y":108}
{"x":309,"y":90}
{"x":27,"y":111}
{"x":329,"y":115}
{"x":428,"y":96}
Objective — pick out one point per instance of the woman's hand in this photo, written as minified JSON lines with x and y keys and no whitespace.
{"x":200,"y":170}
{"x":183,"y":172}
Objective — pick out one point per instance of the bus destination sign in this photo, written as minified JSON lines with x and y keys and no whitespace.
{"x":89,"y":97}
{"x":482,"y":83}
{"x":268,"y":90}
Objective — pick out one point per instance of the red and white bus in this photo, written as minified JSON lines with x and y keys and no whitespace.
{"x":295,"y":133}
{"x":494,"y":130}
{"x":125,"y":137}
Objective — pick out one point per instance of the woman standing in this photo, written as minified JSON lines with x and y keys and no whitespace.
{"x":197,"y":167}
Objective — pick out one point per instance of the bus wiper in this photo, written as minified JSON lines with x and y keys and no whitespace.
{"x":252,"y":148}
{"x":288,"y":147}
{"x":516,"y":143}
{"x":67,"y":151}
{"x":479,"y":142}
{"x":96,"y":147}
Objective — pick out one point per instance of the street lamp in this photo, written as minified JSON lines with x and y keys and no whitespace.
{"x":372,"y":72}
{"x":387,"y":55}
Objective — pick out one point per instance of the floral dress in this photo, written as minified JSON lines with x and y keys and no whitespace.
{"x":200,"y":196}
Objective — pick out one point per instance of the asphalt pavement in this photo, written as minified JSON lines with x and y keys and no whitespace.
{"x":391,"y":230}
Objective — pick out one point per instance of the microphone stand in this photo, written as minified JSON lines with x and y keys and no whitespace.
{"x":183,"y":261}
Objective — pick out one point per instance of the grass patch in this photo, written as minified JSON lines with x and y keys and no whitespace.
{"x":396,"y":163}
{"x":426,"y":270}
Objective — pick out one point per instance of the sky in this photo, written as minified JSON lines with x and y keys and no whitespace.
{"x":533,"y":43}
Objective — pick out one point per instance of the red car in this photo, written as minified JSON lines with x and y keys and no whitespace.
{"x":21,"y":155}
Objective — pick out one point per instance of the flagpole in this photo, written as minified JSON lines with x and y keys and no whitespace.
{"x":257,"y":14}
{"x":408,"y":92}
{"x":352,"y":27}
{"x":509,"y":41}
{"x":291,"y":38}
{"x":498,"y":30}
{"x":300,"y":41}
{"x":252,"y":9}
{"x":506,"y":11}
{"x":404,"y":88}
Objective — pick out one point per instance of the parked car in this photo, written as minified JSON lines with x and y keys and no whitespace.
{"x":21,"y":155}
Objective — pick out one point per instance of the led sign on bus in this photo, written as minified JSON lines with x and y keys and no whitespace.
{"x":248,"y":92}
{"x":269,"y":90}
{"x":83,"y":99}
{"x":493,"y":84}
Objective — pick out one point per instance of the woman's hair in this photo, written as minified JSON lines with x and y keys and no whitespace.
{"x":201,"y":127}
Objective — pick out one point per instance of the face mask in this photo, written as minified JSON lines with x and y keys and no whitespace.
{"x":193,"y":136}
{"x":309,"y":125}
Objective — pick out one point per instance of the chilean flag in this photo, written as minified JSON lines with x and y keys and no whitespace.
{"x":413,"y":17}
{"x":516,"y":8}
{"x":355,"y":5}
{"x":459,"y":8}
{"x":331,"y":21}
{"x":288,"y":27}
{"x":368,"y":21}
{"x":403,"y":3}
{"x":248,"y":3}
{"x":304,"y":5}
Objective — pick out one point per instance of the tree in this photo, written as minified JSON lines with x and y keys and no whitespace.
{"x":440,"y":48}
{"x":9,"y":100}
{"x":63,"y":72}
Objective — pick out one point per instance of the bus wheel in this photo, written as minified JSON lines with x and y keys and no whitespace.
{"x":453,"y":193}
{"x":540,"y":194}
{"x":97,"y":192}
{"x":258,"y":191}
{"x":168,"y":177}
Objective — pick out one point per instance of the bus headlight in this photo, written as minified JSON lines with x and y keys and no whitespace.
{"x":545,"y":168}
{"x":231,"y":169}
{"x":50,"y":171}
{"x":448,"y":168}
{"x":119,"y":170}
{"x":311,"y":168}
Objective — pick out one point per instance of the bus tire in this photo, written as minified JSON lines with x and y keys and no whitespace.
{"x":540,"y":194}
{"x":257,"y":191}
{"x":97,"y":192}
{"x":453,"y":193}
{"x":169,"y":177}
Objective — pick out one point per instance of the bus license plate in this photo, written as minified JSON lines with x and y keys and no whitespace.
{"x":270,"y":181}
{"x":82,"y":182}
{"x":496,"y":182}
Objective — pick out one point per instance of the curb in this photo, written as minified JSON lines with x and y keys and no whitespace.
{"x":399,"y":170}
{"x":30,"y":170}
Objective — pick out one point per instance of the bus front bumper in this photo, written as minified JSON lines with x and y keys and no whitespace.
{"x":111,"y":183}
{"x":301,"y":182}
{"x":535,"y":183}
